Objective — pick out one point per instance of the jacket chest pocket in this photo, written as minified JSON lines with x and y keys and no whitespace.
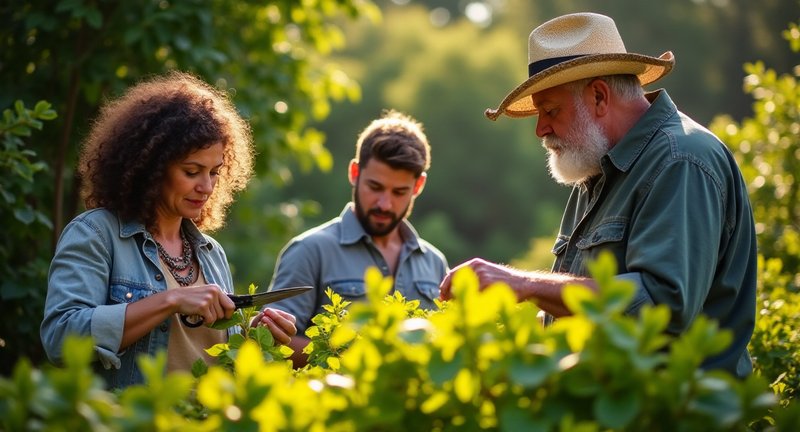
{"x":126,"y":292}
{"x":349,"y":289}
{"x":608,"y":232}
{"x":427,"y":290}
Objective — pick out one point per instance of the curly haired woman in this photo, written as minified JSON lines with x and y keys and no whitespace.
{"x":160,"y":166}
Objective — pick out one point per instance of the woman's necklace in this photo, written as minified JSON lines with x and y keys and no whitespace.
{"x":176,"y":265}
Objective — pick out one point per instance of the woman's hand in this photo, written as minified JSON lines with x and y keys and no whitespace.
{"x":279,"y":323}
{"x":206,"y":301}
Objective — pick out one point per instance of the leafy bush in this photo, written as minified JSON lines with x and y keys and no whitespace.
{"x":482,"y":363}
{"x":766,"y":147}
{"x":21,"y":266}
{"x":776,"y":337}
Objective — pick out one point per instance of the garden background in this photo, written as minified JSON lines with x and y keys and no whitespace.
{"x":309,"y":75}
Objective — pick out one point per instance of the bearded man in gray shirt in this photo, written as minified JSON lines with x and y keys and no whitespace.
{"x":387,"y":174}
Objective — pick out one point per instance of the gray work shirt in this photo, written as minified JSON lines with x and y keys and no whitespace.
{"x":337,"y":253}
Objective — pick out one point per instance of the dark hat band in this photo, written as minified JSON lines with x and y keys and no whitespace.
{"x":541,"y":65}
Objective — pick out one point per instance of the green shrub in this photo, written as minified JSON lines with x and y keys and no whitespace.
{"x":23,"y":228}
{"x":775,"y":344}
{"x":483,"y":362}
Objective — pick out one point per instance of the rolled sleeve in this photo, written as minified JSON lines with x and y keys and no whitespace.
{"x":77,"y":294}
{"x":641,"y":297}
{"x":107,"y":330}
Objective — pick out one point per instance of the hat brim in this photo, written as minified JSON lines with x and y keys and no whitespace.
{"x":648,"y":69}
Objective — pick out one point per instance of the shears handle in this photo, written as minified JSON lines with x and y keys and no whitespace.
{"x":192,"y":321}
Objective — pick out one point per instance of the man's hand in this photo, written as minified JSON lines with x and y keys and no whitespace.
{"x":487,"y":272}
{"x":281,"y":324}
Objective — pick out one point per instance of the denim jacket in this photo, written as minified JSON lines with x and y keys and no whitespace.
{"x":102,"y":264}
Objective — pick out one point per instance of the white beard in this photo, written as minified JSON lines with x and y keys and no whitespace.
{"x":576,"y":157}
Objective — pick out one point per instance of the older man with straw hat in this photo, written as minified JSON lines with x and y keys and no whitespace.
{"x":650,"y":185}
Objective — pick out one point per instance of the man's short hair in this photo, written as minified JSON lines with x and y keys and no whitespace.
{"x":397,"y":140}
{"x":627,"y":87}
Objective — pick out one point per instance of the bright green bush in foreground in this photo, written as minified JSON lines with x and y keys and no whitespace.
{"x":481,"y":363}
{"x":775,"y":345}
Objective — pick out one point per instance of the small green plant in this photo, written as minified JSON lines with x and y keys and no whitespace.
{"x":226,"y":353}
{"x":321,"y":353}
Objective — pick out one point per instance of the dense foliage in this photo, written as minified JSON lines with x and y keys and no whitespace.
{"x":274,"y":58}
{"x":767,"y":147}
{"x":73,"y":53}
{"x":21,"y":267}
{"x":483,"y":362}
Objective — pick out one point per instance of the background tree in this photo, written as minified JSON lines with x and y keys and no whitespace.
{"x":75,"y":53}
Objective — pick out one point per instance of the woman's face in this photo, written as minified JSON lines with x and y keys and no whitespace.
{"x":189,"y":183}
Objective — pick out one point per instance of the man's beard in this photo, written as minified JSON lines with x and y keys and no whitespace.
{"x":576,"y":157}
{"x":377,"y":230}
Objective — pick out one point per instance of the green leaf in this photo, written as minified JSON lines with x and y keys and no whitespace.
{"x":94,"y":18}
{"x":77,"y":351}
{"x":577,"y":298}
{"x":25,"y":215}
{"x":199,"y":368}
{"x":224,"y":323}
{"x":465,"y":385}
{"x":441,"y":371}
{"x":617,"y":410}
{"x":532,"y":373}
{"x":20,"y":130}
{"x":513,"y":418}
{"x":717,"y":402}
{"x":263,"y":336}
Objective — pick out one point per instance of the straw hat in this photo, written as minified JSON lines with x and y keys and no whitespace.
{"x":574,"y":47}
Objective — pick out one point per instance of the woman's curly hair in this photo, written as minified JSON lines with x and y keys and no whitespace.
{"x":160,"y":121}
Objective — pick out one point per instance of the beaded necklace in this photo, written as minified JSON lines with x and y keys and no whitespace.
{"x":175,"y":265}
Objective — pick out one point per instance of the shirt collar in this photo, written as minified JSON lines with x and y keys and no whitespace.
{"x":352,"y":232}
{"x":624,"y":154}
{"x":130,"y":228}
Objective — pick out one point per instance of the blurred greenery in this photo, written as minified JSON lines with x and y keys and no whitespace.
{"x":307,"y":94}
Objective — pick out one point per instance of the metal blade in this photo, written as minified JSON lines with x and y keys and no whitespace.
{"x":260,"y":299}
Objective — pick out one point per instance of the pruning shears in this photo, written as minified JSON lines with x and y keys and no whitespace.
{"x":249,"y":300}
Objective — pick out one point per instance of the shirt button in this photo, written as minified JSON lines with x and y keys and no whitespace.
{"x":164,"y":327}
{"x":159,"y":277}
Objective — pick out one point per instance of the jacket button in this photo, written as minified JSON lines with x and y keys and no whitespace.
{"x":159,"y":277}
{"x":129,"y":296}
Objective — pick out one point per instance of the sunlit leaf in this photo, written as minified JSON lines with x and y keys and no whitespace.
{"x":577,"y":297}
{"x":464,"y":385}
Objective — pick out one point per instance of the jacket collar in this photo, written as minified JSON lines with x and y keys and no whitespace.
{"x":130,"y":228}
{"x":624,"y":154}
